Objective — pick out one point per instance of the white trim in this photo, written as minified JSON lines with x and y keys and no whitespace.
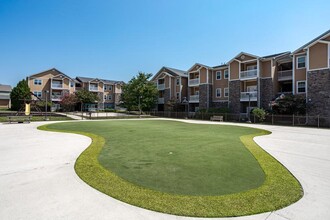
{"x":38,"y":80}
{"x":216,"y":92}
{"x":297,"y":57}
{"x":207,"y":75}
{"x":323,"y":41}
{"x":297,"y":54}
{"x":224,"y":74}
{"x":224,"y":93}
{"x":216,"y":75}
{"x":307,"y":62}
{"x":328,"y":55}
{"x":298,"y":87}
{"x":248,"y":61}
{"x":324,"y":68}
{"x":293,"y":74}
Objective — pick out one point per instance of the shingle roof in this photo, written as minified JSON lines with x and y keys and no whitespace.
{"x":219,"y":66}
{"x":87,"y":79}
{"x":275,"y":55}
{"x":52,"y":69}
{"x":5,"y":88}
{"x":310,"y":42}
{"x":176,"y":71}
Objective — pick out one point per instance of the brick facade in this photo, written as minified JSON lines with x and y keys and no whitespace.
{"x":205,"y":96}
{"x":234,"y":96}
{"x":266,"y":92}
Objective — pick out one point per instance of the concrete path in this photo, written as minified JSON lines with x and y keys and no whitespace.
{"x":37,"y":178}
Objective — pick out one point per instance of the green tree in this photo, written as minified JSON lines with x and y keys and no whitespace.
{"x":20,"y":93}
{"x":84,"y":96}
{"x":69,"y":101}
{"x":259,"y":113}
{"x":290,"y":104}
{"x":139,"y":93}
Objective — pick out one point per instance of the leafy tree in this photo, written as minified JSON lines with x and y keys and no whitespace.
{"x":20,"y":93}
{"x":69,"y":101}
{"x":290,"y":104}
{"x":139,"y":90}
{"x":259,"y":113}
{"x":85,"y":96}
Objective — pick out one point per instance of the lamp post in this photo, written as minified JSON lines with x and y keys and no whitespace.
{"x":186,"y":106}
{"x":46,"y":104}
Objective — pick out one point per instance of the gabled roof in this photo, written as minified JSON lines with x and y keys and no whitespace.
{"x":5,"y":88}
{"x":310,"y":43}
{"x":243,"y":53}
{"x":276,"y":55}
{"x":52,"y":69}
{"x":220,"y":66}
{"x":88,"y":79}
{"x":199,"y":64}
{"x":171,"y":71}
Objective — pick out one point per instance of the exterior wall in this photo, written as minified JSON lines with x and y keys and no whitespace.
{"x":202,"y":75}
{"x":223,"y":104}
{"x":205,"y":96}
{"x":167,"y":81}
{"x":318,"y":96}
{"x":223,"y":83}
{"x":167,"y":97}
{"x":266,"y":92}
{"x":234,"y":96}
{"x":246,"y":57}
{"x":318,"y":56}
{"x":266,"y":70}
{"x":234,"y":70}
{"x":184,"y":91}
{"x":299,"y":74}
{"x":4,"y":103}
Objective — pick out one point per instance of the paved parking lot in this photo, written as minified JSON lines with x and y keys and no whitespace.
{"x":37,"y":178}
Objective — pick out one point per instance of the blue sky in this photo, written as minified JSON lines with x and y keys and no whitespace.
{"x":117,"y":39}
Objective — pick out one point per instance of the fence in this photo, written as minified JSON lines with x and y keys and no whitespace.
{"x":287,"y":120}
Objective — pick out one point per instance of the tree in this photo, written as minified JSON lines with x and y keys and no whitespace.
{"x":85,"y":96}
{"x":139,"y":93}
{"x":69,"y":101}
{"x":290,"y":104}
{"x":20,"y":93}
{"x":259,"y":113}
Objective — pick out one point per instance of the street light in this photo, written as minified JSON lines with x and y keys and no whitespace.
{"x":46,"y":104}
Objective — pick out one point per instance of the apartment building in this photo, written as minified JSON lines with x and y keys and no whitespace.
{"x":5,"y":101}
{"x":172,"y":86}
{"x":55,"y":85}
{"x":108,"y":91}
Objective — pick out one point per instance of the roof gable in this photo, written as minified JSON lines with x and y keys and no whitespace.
{"x":323,"y":36}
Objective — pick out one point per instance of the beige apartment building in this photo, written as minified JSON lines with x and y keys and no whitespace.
{"x":172,"y":86}
{"x":5,"y":101}
{"x":55,"y":85}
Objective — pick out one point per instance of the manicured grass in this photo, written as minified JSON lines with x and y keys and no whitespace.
{"x":127,"y":162}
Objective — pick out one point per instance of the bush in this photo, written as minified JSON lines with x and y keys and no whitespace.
{"x":259,"y":113}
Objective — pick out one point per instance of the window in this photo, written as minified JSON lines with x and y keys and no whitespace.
{"x":110,"y":88}
{"x":301,"y":86}
{"x":72,"y":84}
{"x":38,"y":94}
{"x":105,"y":97}
{"x":177,"y":95}
{"x":225,"y":74}
{"x":37,"y":82}
{"x":301,"y":62}
{"x":226,"y":91}
{"x":218,"y":75}
{"x":109,"y":97}
{"x":218,"y":92}
{"x":178,"y":81}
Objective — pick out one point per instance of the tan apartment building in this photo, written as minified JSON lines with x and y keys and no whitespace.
{"x":172,"y":85}
{"x":5,"y":101}
{"x":51,"y":83}
{"x":108,"y":91}
{"x":55,"y":85}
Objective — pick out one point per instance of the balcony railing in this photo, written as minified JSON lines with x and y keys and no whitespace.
{"x":56,"y":97}
{"x":161,"y":86}
{"x":93,"y":88}
{"x":194,"y":82}
{"x":249,"y":74}
{"x":284,"y":75}
{"x":57,"y":85}
{"x":246,"y":96}
{"x":160,"y":100}
{"x":194,"y":98}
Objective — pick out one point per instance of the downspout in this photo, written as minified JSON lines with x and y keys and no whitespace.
{"x":258,"y":77}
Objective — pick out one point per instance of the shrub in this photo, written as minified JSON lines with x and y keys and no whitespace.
{"x":259,"y":113}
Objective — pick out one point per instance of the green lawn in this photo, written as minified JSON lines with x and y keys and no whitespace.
{"x":181,"y":168}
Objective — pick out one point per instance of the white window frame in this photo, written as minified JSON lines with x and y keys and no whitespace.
{"x":216,"y":92}
{"x":110,"y":87}
{"x":224,"y":74}
{"x":36,"y":93}
{"x":37,"y":80}
{"x":297,"y":60}
{"x":304,"y":81}
{"x":224,"y":92}
{"x":71,"y":84}
{"x":216,"y":75}
{"x":109,"y":97}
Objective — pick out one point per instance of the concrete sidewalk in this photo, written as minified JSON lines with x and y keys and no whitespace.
{"x":37,"y":178}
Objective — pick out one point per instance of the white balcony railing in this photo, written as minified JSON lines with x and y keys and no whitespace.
{"x":246,"y":96}
{"x":56,"y":97}
{"x":249,"y":74}
{"x":284,"y":75}
{"x":161,"y":101}
{"x":161,"y":86}
{"x":194,"y":82}
{"x":93,"y":88}
{"x":57,"y":85}
{"x":194,"y":98}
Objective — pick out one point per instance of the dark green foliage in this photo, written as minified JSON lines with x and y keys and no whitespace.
{"x":86,"y":96}
{"x":19,"y":94}
{"x":290,"y":104}
{"x":139,"y":89}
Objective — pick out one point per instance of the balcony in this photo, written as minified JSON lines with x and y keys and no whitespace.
{"x":161,"y":86}
{"x":93,"y":88}
{"x":245,"y":96}
{"x":194,"y":98}
{"x":194,"y":82}
{"x":161,"y":101}
{"x":284,"y":75}
{"x":57,"y":85}
{"x":56,"y":97}
{"x":248,"y":74}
